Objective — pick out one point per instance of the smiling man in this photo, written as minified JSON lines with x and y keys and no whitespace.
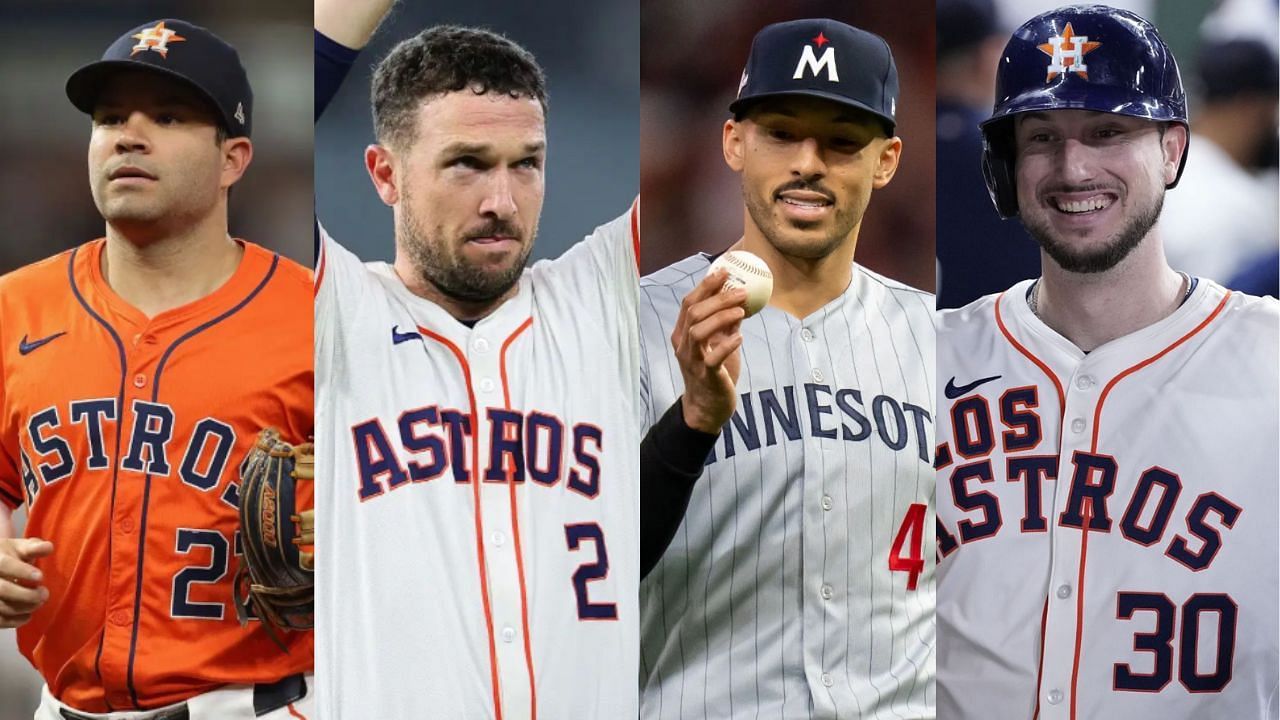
{"x":796,"y":583}
{"x":135,"y":372}
{"x":1107,"y":474}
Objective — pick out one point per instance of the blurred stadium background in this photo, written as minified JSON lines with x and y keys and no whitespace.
{"x":590,"y":53}
{"x":1221,"y":222}
{"x":692,"y":58}
{"x":45,"y":205}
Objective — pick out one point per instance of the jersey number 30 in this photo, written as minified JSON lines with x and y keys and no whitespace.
{"x":1187,"y":629}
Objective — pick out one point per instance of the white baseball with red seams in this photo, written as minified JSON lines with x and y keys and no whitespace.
{"x":746,"y":270}
{"x":478,"y":493}
{"x":1162,"y":443}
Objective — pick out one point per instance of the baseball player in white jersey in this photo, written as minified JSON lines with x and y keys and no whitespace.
{"x":797,"y":585}
{"x":479,"y":488}
{"x":1107,"y":470}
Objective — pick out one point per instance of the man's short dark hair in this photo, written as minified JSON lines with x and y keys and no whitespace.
{"x":445,"y":59}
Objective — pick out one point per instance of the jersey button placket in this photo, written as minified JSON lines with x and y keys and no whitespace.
{"x":497,"y":508}
{"x":126,"y":520}
{"x":1061,"y":616}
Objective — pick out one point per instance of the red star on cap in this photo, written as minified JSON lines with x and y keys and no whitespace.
{"x":821,"y":39}
{"x":1069,"y":42}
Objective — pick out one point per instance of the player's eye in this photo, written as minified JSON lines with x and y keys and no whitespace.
{"x":107,"y":118}
{"x":780,"y":134}
{"x":530,"y":163}
{"x":166,"y":118}
{"x":1109,"y":132}
{"x":466,"y":162}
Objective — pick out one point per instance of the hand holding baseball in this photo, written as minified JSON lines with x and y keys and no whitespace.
{"x":706,"y":340}
{"x":21,"y":593}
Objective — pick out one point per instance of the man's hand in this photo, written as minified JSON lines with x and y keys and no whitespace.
{"x":21,"y":593}
{"x":350,"y":22}
{"x":706,"y":341}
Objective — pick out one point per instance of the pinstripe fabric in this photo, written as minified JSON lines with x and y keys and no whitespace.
{"x":775,"y":600}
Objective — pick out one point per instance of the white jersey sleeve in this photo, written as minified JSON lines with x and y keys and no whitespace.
{"x":341,"y":279}
{"x":604,"y":266}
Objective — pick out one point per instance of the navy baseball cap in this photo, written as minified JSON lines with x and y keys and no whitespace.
{"x":180,"y":50}
{"x":821,"y":58}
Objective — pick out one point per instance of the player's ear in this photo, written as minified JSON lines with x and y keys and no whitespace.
{"x":237,"y":153}
{"x":890,"y":153}
{"x":733,"y":138}
{"x":380,"y":163}
{"x":1174,"y":142}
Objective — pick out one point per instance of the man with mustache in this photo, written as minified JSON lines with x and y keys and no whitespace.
{"x":478,"y":491}
{"x":1107,"y":469}
{"x":795,"y":584}
{"x":135,"y":373}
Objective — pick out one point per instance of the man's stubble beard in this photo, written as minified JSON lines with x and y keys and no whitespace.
{"x":1102,"y":259}
{"x":761,"y":212}
{"x":450,"y":273}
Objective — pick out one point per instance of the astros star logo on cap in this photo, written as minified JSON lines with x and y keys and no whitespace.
{"x":1067,"y":52}
{"x":156,"y":39}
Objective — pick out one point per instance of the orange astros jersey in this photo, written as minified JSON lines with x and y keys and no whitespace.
{"x":123,"y":435}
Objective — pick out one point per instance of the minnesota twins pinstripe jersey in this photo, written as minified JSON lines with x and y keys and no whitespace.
{"x":478,"y":489}
{"x":796,"y":586}
{"x":1107,"y":521}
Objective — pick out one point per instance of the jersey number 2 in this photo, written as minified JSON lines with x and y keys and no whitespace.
{"x":913,"y":562}
{"x":575,"y":535}
{"x":199,"y":574}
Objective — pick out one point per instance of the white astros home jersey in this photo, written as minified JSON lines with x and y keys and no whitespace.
{"x":1163,"y":444}
{"x":478,"y":493}
{"x":797,"y":585}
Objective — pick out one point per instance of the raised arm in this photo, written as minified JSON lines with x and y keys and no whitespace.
{"x":350,"y":22}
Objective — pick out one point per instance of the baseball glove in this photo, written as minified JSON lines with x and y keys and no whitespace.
{"x":276,"y":576}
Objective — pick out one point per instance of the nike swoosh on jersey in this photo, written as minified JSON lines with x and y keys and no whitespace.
{"x":25,"y":347}
{"x":952,"y":392}
{"x":398,"y":337}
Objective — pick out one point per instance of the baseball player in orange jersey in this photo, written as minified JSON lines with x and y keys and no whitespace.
{"x":135,"y":372}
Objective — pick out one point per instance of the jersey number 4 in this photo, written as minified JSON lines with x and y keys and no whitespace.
{"x":911,"y":535}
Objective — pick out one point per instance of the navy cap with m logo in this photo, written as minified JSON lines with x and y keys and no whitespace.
{"x":821,"y":58}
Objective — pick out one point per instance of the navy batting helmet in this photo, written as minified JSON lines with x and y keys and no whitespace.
{"x":1082,"y":57}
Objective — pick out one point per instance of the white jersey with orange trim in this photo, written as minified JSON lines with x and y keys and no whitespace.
{"x":1107,"y":521}
{"x":478,"y":493}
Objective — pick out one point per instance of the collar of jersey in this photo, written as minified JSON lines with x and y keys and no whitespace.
{"x":1204,"y":297}
{"x":253,"y":265}
{"x":500,"y":323}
